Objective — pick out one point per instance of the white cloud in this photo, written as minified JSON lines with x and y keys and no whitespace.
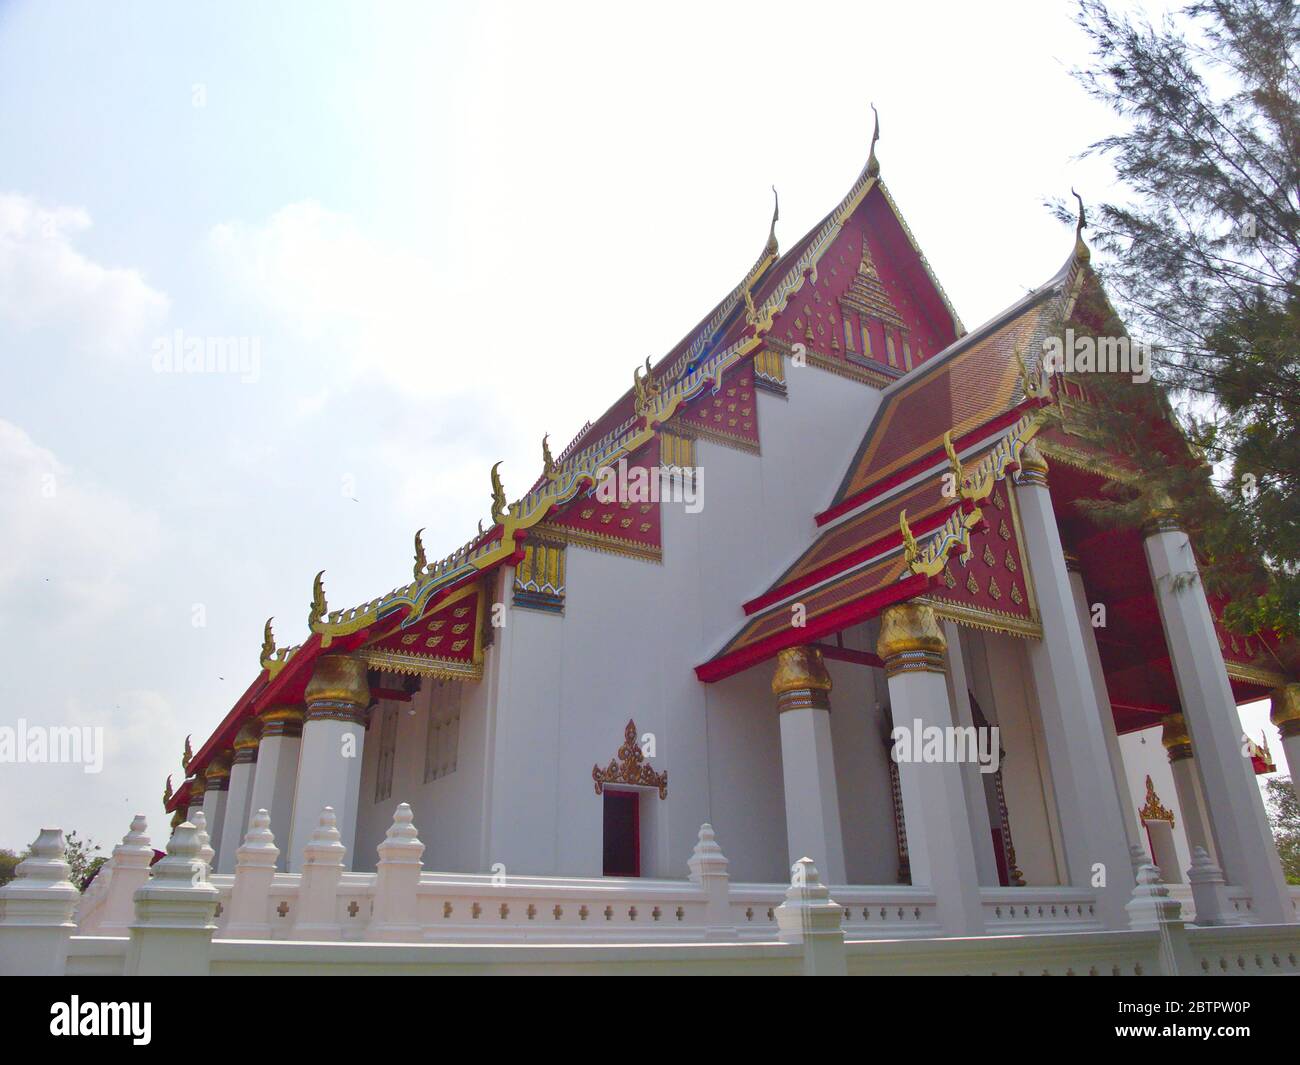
{"x":65,"y":546}
{"x":339,"y":286}
{"x":44,"y":280}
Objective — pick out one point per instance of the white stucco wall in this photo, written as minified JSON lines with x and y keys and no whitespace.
{"x":563,"y":708}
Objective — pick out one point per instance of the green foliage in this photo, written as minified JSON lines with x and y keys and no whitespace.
{"x":1284,"y":813}
{"x":80,"y":856}
{"x":8,"y":862}
{"x":1203,"y":262}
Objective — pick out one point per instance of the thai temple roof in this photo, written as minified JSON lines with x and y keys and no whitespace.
{"x":968,"y":402}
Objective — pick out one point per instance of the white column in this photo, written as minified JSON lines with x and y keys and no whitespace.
{"x":1285,"y":714}
{"x":977,"y":805}
{"x":1092,"y":826}
{"x":235,"y":822}
{"x":329,"y":764}
{"x":812,"y":809}
{"x":1191,"y":802}
{"x":1246,"y":850}
{"x":939,"y":846}
{"x":277,"y":770}
{"x":1128,"y":810}
{"x":217,"y":791}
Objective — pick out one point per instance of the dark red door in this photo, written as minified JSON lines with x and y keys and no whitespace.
{"x":622,"y":833}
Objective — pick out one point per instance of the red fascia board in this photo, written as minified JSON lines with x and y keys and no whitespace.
{"x":840,"y":618}
{"x":925,"y":462}
{"x":879,"y":546}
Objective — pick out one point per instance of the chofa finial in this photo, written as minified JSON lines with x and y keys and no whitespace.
{"x":873,"y":164}
{"x":268,"y":643}
{"x":498,"y":497}
{"x":318,"y":604}
{"x":421,"y":562}
{"x":548,"y":460}
{"x":772,"y":246}
{"x":1080,"y":247}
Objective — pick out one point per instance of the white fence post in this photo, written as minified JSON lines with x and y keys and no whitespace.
{"x":708,"y":869}
{"x":172,"y":933}
{"x":128,"y":871}
{"x":254,"y":871}
{"x":1209,"y":891}
{"x":206,"y":852}
{"x":395,"y":915}
{"x":1151,"y":908}
{"x":322,"y":869}
{"x":36,"y":911}
{"x":810,"y":916}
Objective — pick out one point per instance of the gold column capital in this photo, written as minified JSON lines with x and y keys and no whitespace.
{"x":338,"y":689}
{"x":281,"y":720}
{"x":246,"y":741}
{"x":1161,"y":516}
{"x":1175,"y":738}
{"x":1285,"y":712}
{"x":217,"y":775}
{"x":801,"y":680}
{"x":197,"y":787}
{"x":1033,"y":467}
{"x":910,"y":639}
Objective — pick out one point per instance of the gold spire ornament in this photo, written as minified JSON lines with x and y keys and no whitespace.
{"x":549,"y":470}
{"x":186,"y":755}
{"x":498,"y":497}
{"x":318,"y":604}
{"x":421,"y":563}
{"x":873,"y":164}
{"x":167,"y":790}
{"x":910,"y":548}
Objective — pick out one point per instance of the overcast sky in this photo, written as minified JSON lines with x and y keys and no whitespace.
{"x":445,"y":231}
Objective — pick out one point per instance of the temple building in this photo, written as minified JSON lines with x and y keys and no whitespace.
{"x":830,"y":516}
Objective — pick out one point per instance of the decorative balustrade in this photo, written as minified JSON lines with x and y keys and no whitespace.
{"x":183,"y":920}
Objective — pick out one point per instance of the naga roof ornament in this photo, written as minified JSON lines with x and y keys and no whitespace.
{"x":186,"y":755}
{"x":318,"y":604}
{"x":549,"y":470}
{"x":268,"y":643}
{"x":421,"y":562}
{"x":910,"y":547}
{"x":167,"y":790}
{"x":498,"y":496}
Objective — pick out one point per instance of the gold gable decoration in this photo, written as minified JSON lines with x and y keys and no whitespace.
{"x":1153,"y":809}
{"x":630,"y":767}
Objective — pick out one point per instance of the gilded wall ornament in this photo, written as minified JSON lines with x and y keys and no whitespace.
{"x":630,"y":767}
